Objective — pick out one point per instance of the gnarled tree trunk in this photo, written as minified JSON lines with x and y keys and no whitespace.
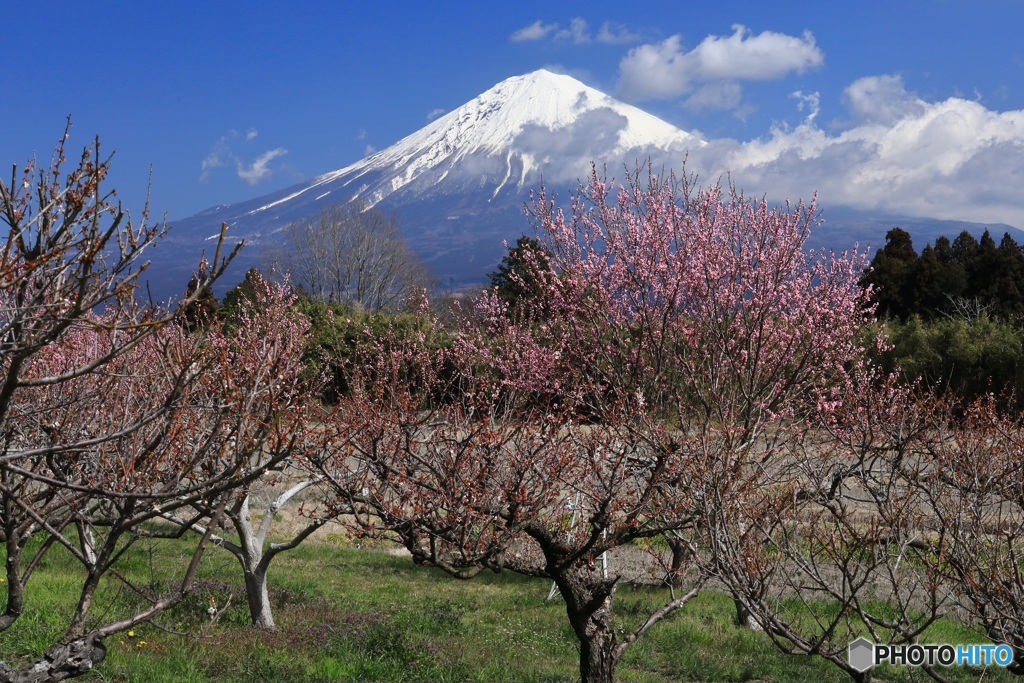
{"x":65,"y":660}
{"x":588,"y":604}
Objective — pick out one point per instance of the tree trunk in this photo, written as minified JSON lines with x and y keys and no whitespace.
{"x":12,"y":569}
{"x":588,"y":603}
{"x":250,"y":553}
{"x":597,"y":657}
{"x":62,"y":661}
{"x":680,"y":554}
{"x":743,"y":619}
{"x":15,"y":592}
{"x":258,"y":597}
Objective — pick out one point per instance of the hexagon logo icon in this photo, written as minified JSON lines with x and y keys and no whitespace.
{"x":861,"y":655}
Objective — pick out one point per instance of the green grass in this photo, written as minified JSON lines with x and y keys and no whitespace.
{"x":356,"y":615}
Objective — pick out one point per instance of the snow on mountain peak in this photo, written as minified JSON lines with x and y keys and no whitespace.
{"x":495,"y":120}
{"x":554,"y":101}
{"x":540,"y":122}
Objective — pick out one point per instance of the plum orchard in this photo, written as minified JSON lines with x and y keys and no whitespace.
{"x":112,"y":414}
{"x":687,"y":345}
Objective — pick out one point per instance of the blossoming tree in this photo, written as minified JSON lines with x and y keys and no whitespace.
{"x":111,"y":413}
{"x":266,"y":333}
{"x":974,"y":495}
{"x":687,"y":342}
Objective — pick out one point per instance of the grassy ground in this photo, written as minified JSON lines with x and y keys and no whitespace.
{"x":355,"y":615}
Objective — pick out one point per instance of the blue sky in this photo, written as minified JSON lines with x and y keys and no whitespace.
{"x":910,"y":106}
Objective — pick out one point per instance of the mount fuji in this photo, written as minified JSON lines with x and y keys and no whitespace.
{"x":458,"y":186}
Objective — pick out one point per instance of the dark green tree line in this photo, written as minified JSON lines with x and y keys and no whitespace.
{"x":945,"y":278}
{"x":953,"y":313}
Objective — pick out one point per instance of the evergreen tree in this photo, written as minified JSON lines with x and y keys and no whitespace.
{"x":928,"y":284}
{"x":980,"y":276}
{"x":246,"y":290}
{"x":937,"y":280}
{"x":1008,"y":280}
{"x":199,"y":306}
{"x":890,"y":275}
{"x":953,"y":276}
{"x":520,"y":278}
{"x":965,"y":250}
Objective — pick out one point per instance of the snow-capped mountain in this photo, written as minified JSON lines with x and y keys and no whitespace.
{"x":459,"y":184}
{"x":506,"y":137}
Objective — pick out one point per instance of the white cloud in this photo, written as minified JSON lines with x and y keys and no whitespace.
{"x":665,"y":70}
{"x":881,"y":99}
{"x":953,"y":159}
{"x":434,"y":113}
{"x":657,"y":71}
{"x":219,"y":155}
{"x":810,"y":101}
{"x":577,"y":33}
{"x":259,"y":169}
{"x":616,"y":34}
{"x":222,"y":153}
{"x":368,"y":149}
{"x":538,"y":30}
{"x":571,"y":148}
{"x":766,"y":56}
